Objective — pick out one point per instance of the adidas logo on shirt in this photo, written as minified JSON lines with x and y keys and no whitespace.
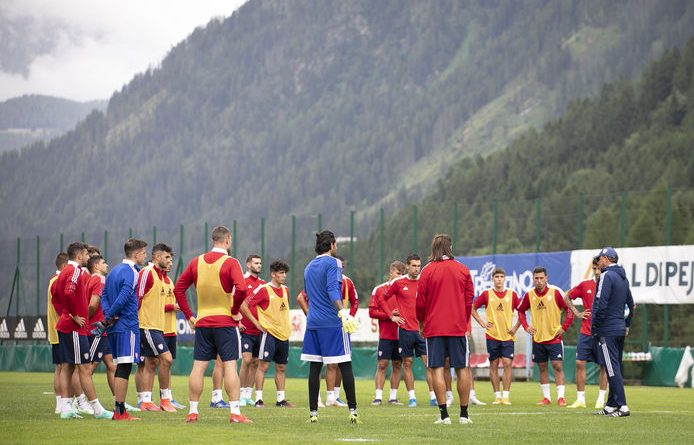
{"x":20,"y":331}
{"x":589,"y":291}
{"x":39,"y":332}
{"x":283,"y":307}
{"x":500,"y":307}
{"x":4,"y":333}
{"x":405,"y":288}
{"x":541,"y":305}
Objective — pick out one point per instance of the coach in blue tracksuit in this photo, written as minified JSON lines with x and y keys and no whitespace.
{"x":610,"y":327}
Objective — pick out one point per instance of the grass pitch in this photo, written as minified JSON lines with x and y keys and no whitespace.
{"x":659,"y":415}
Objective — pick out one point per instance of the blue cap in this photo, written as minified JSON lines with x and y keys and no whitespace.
{"x":606,"y":251}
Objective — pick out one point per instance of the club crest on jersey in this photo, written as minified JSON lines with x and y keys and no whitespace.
{"x":101,"y":354}
{"x":266,"y":353}
{"x":380,"y":353}
{"x":160,"y":346}
{"x":246,"y":346}
{"x":85,"y":355}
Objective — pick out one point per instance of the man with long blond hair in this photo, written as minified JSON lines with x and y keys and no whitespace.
{"x":444,"y":304}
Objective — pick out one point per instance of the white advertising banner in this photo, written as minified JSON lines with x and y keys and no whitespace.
{"x":368,"y":329}
{"x":660,"y":275}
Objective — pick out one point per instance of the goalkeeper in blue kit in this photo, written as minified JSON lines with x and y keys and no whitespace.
{"x":328,"y":324}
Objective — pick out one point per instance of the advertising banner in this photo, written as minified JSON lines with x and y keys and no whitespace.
{"x":658,"y":274}
{"x":519,"y":269}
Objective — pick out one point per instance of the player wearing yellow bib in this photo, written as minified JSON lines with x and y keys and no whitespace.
{"x":271,"y":301}
{"x":153,"y":287}
{"x":546,"y":303}
{"x":501,"y":331}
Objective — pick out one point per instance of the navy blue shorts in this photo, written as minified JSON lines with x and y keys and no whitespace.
{"x":55,"y":353}
{"x":586,"y":348}
{"x":152,"y":343}
{"x":326,"y":345}
{"x":273,"y":350}
{"x":98,"y":348}
{"x":171,"y":344}
{"x":224,"y":342}
{"x":497,"y":349}
{"x":74,"y":348}
{"x":455,"y":348}
{"x":410,"y":343}
{"x":125,"y":346}
{"x":388,"y":350}
{"x":250,"y":343}
{"x":543,"y":352}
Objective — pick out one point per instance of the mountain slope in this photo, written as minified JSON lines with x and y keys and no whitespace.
{"x":314,"y":106}
{"x":27,"y":119}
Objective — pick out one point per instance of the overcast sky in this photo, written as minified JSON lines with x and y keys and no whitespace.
{"x":87,"y":49}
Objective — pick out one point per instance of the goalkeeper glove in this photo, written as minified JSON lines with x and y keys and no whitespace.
{"x":99,"y":328}
{"x":349,"y":323}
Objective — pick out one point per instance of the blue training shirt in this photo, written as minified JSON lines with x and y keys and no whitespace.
{"x":118,"y":299}
{"x":323,"y":284}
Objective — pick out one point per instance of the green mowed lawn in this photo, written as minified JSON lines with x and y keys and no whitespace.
{"x":659,"y":415}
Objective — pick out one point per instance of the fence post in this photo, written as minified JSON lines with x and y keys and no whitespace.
{"x":644,"y":328}
{"x":292,"y":257}
{"x":154,"y":235}
{"x":130,"y":232}
{"x":233,"y":244}
{"x":495,"y":227}
{"x":179,"y":266}
{"x":82,"y":237}
{"x":38,"y":274}
{"x":106,"y":245}
{"x":62,"y":243}
{"x":262,"y":241}
{"x":623,"y":220}
{"x":381,"y":246}
{"x":207,"y":242}
{"x":581,"y":221}
{"x":538,"y":219}
{"x":414,"y":228}
{"x":319,"y":222}
{"x":18,"y":276}
{"x":351,"y":243}
{"x":668,"y":241}
{"x":454,"y":235}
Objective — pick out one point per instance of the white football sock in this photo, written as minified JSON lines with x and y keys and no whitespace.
{"x":96,"y":406}
{"x":581,"y":396}
{"x":545,"y":390}
{"x":560,"y":391}
{"x":411,"y":394}
{"x":234,"y":407}
{"x":393,"y":394}
{"x":379,"y":394}
{"x":601,"y":395}
{"x":280,"y":396}
{"x":506,"y":394}
{"x":216,"y":395}
{"x":258,"y":395}
{"x":193,"y":407}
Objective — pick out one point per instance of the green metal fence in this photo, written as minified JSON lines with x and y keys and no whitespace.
{"x":571,"y":221}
